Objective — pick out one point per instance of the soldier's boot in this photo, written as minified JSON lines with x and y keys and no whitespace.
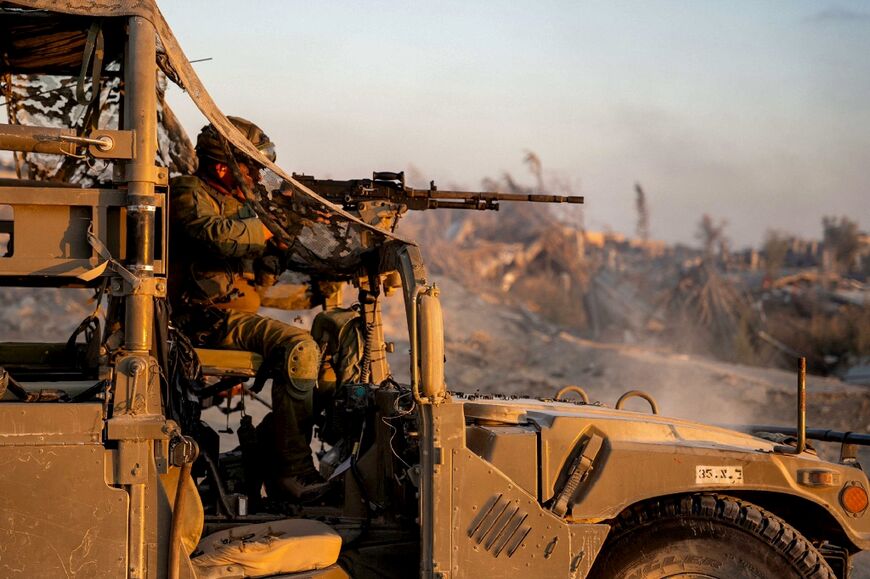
{"x":292,"y":401}
{"x":304,"y":486}
{"x":297,"y":478}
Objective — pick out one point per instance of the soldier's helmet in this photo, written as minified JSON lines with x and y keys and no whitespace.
{"x":209,"y":143}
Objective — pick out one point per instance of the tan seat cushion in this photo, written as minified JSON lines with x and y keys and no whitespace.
{"x":228,"y":362}
{"x":264,"y":549}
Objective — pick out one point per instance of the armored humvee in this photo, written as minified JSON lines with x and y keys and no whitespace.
{"x":107,"y":472}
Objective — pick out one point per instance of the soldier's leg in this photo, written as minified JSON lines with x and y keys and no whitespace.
{"x":292,"y":389}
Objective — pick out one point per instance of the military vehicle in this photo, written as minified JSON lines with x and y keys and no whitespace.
{"x":104,"y":473}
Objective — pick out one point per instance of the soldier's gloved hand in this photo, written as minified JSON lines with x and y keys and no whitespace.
{"x":267,"y":269}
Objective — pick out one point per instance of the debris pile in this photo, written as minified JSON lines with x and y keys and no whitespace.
{"x":760,"y":306}
{"x":705,"y":306}
{"x":524,"y":254}
{"x":825,"y":317}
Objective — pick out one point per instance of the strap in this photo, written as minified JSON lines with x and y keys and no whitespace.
{"x":94,"y":46}
{"x":90,"y":327}
{"x":268,"y":369}
{"x":116,"y":266}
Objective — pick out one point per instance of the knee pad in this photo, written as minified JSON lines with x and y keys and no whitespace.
{"x":303,"y":364}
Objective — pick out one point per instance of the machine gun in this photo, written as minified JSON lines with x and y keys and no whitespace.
{"x":314,"y":243}
{"x":387,"y":186}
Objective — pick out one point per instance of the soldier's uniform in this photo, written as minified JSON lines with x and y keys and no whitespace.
{"x":220,"y":259}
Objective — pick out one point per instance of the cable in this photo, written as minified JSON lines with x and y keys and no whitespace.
{"x":399,"y":414}
{"x":360,"y":483}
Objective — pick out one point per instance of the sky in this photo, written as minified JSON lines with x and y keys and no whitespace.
{"x":755,"y":112}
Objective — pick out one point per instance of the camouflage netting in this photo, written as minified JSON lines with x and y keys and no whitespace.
{"x":323,"y":239}
{"x":50,"y":101}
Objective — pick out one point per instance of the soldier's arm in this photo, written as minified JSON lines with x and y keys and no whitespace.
{"x":202,"y":220}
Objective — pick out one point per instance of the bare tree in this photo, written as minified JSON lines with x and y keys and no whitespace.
{"x":711,"y":235}
{"x":534,"y":162}
{"x":842,"y":238}
{"x":642,"y":213}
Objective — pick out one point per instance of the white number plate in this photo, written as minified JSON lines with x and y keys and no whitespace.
{"x":720,"y":475}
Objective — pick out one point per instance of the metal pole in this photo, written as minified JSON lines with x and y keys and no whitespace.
{"x":140,"y":116}
{"x":48,"y":140}
{"x":823,"y":434}
{"x":802,"y":406}
{"x":136,"y":528}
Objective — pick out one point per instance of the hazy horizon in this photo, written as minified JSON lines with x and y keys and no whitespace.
{"x":754,"y":112}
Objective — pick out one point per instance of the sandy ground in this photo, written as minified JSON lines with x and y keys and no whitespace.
{"x":494,"y":349}
{"x":491,"y":348}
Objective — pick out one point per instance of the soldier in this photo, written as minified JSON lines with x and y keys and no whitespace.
{"x":222,"y":254}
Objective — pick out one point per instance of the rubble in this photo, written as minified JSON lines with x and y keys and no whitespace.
{"x":762,"y":306}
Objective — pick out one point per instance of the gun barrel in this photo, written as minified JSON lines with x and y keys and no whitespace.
{"x":487,"y":196}
{"x":540,"y":198}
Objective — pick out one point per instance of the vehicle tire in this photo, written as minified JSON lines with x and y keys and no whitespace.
{"x":706,"y":536}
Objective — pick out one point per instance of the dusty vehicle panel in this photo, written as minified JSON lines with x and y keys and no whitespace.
{"x":79,"y":523}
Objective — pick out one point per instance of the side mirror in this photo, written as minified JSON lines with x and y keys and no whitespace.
{"x":431,"y":344}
